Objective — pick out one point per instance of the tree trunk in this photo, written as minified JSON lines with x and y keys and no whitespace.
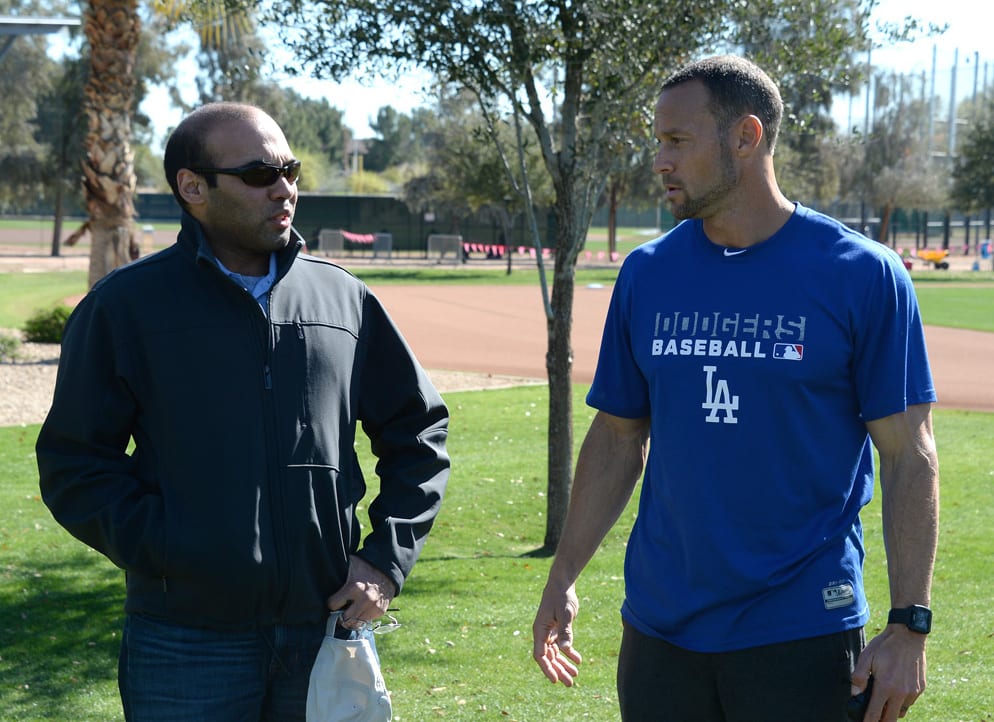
{"x":506,"y":230}
{"x":884,"y":222}
{"x":59,"y":212}
{"x":559,"y":367}
{"x":572,"y":221}
{"x":112,"y":28}
{"x":613,"y":200}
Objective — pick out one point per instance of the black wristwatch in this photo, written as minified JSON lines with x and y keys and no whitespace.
{"x":916,"y":617}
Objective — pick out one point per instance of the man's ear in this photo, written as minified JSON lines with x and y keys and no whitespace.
{"x":192,"y":187}
{"x":748,"y":134}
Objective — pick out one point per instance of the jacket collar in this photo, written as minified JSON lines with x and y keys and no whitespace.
{"x":191,"y":239}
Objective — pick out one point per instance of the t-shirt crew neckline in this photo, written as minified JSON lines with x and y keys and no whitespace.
{"x":759,"y":249}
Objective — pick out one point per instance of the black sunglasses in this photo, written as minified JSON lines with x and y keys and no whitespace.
{"x":257,"y":173}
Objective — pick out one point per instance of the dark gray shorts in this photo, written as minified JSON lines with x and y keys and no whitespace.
{"x":806,"y":680}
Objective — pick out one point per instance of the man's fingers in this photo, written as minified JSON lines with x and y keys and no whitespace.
{"x":570,"y":651}
{"x":557,"y":658}
{"x":552,"y":635}
{"x":557,"y":667}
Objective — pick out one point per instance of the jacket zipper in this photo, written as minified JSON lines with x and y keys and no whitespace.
{"x":276,"y":479}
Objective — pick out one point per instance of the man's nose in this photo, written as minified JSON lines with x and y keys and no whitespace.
{"x":283,"y":188}
{"x":662,"y":163}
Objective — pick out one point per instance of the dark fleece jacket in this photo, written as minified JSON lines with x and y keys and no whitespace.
{"x":235,"y":506}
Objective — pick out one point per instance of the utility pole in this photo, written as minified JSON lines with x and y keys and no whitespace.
{"x":952,"y":105}
{"x":931,"y":106}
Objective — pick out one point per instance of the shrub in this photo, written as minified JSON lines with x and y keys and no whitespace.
{"x":47,"y":326}
{"x":9,"y":346}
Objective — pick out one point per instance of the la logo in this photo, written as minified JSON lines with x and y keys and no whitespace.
{"x":719,"y":399}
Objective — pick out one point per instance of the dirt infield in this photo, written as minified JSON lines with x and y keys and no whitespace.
{"x":501,"y":329}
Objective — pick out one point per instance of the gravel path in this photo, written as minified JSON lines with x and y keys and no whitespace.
{"x":27,"y":381}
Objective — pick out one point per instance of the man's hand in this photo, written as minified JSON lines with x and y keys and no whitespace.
{"x":896,"y":659}
{"x":552,"y":633}
{"x":365,"y":596}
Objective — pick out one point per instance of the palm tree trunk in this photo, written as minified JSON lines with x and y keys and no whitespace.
{"x":112,"y":28}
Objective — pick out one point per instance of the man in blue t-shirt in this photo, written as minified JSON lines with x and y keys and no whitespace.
{"x":760,"y":347}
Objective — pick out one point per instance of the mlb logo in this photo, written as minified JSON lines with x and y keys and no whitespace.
{"x":788,"y":351}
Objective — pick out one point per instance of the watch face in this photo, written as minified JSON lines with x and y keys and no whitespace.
{"x":921,"y":620}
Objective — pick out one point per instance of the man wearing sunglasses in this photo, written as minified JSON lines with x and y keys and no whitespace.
{"x":202,"y":437}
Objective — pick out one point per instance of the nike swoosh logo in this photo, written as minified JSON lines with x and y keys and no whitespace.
{"x":730,"y":252}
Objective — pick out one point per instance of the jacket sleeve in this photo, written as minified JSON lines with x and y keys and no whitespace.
{"x":87,"y":477}
{"x":407,"y":424}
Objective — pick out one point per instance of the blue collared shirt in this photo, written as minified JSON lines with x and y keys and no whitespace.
{"x":257,"y":286}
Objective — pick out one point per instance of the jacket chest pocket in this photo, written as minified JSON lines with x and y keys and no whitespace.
{"x":315,"y":380}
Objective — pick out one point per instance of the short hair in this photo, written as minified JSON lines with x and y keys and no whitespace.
{"x":187,"y":144}
{"x":736,"y":87}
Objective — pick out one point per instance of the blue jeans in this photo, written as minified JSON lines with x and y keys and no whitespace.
{"x":172,"y":673}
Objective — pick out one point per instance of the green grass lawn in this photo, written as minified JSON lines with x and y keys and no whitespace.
{"x":24,"y":294}
{"x":464,"y":650}
{"x":966,"y":304}
{"x":959,"y":306}
{"x":44,"y":225}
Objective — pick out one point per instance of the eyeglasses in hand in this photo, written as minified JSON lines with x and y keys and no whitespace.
{"x":381,"y":627}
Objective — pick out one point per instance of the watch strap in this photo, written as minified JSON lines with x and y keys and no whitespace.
{"x":916,"y":618}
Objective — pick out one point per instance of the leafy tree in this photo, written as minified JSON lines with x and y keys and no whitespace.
{"x":432,"y":186}
{"x":467,"y":168}
{"x":973,"y":172}
{"x":60,"y":127}
{"x":367,"y":183}
{"x":895,"y":170}
{"x":159,"y":51}
{"x":767,"y":32}
{"x":634,"y":183}
{"x":27,"y":76}
{"x":45,"y":166}
{"x":317,"y":174}
{"x":580,"y":74}
{"x":812,"y":49}
{"x":230,"y":57}
{"x":312,"y":126}
{"x":398,"y":138}
{"x":815,"y":52}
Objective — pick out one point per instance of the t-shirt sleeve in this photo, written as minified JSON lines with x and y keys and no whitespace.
{"x":619,"y":387}
{"x":890,"y":367}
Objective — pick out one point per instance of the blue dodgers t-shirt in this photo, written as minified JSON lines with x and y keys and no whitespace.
{"x":758,"y":368}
